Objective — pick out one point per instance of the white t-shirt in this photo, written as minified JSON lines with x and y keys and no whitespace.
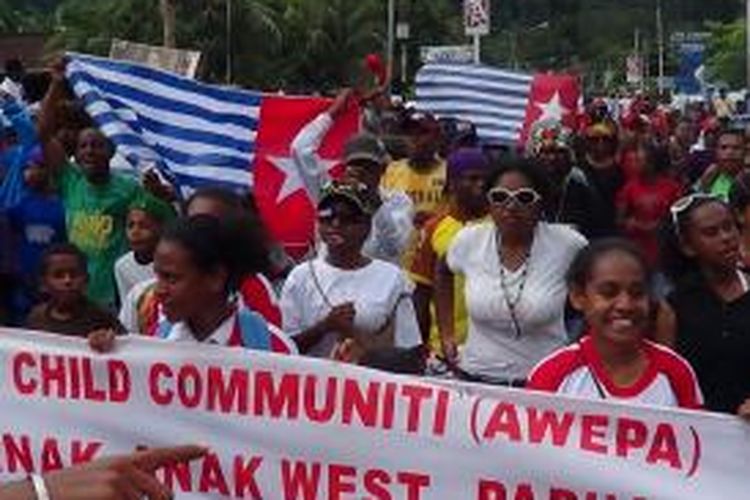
{"x":493,"y":348}
{"x":375,"y":289}
{"x":128,"y":273}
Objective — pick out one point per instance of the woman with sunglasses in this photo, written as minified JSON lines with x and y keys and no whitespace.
{"x":344,"y":294}
{"x":514,"y":269}
{"x":711,"y":298}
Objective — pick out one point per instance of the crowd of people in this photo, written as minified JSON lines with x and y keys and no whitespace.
{"x":608,"y":260}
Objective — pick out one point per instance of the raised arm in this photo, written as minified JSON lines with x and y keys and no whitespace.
{"x":304,"y":147}
{"x":47,"y":123}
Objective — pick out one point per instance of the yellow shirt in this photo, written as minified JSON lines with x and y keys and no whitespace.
{"x":436,"y":238}
{"x":426,"y":188}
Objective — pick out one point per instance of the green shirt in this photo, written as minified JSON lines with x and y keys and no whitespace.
{"x":721,"y":186}
{"x":95,"y":217}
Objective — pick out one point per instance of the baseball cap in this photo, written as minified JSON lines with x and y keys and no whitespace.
{"x":366,"y":147}
{"x":354,"y":192}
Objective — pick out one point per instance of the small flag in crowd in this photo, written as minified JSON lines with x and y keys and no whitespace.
{"x":198,"y":134}
{"x":502,"y":104}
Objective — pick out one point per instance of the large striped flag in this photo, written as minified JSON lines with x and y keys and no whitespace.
{"x":502,"y":104}
{"x":198,"y":134}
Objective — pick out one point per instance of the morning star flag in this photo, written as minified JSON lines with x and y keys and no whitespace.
{"x":199,"y":135}
{"x":502,"y":104}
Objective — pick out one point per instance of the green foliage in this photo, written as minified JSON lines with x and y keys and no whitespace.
{"x":319,"y":44}
{"x":89,"y":26}
{"x":726,"y":53}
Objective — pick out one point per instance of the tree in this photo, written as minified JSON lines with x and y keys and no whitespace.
{"x":319,"y":44}
{"x":726,"y":53}
{"x":168,"y":11}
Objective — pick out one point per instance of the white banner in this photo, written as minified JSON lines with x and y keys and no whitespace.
{"x":182,"y":62}
{"x":298,"y":428}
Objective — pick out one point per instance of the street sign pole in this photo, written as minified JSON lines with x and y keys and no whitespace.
{"x":391,"y":35}
{"x":477,"y":23}
{"x":230,"y":44}
{"x":660,"y":35}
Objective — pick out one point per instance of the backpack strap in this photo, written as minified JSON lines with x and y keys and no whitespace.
{"x":163,"y":327}
{"x":253,"y":330}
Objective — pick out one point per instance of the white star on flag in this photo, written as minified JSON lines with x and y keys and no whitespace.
{"x":293,"y":181}
{"x":552,"y":109}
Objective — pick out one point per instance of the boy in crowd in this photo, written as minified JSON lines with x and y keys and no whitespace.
{"x":38,"y":220}
{"x":67,"y":311}
{"x":718,"y":179}
{"x":96,"y":201}
{"x":146,"y":218}
{"x":422,"y":175}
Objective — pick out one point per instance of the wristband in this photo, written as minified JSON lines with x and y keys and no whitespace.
{"x":40,"y":488}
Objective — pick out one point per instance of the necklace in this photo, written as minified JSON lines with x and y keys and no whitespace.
{"x":512,"y":302}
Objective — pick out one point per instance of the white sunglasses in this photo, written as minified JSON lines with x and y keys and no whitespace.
{"x":685,"y":203}
{"x":524,"y":197}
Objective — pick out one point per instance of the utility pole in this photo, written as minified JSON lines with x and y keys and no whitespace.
{"x":638,"y":58}
{"x":230,"y":37}
{"x":660,"y":41}
{"x":391,"y":35}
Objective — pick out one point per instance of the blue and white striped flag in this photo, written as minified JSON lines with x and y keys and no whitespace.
{"x":194,"y":133}
{"x":494,"y":100}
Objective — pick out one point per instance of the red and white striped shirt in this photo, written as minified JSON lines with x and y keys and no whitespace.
{"x":578,"y":370}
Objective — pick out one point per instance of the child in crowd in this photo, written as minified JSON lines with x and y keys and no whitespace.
{"x":718,"y":179}
{"x":96,"y":199}
{"x":609,"y":284}
{"x":146,"y":218}
{"x":645,"y":199}
{"x":711,"y":297}
{"x":66,"y":310}
{"x":37,"y":220}
{"x":141,"y":308}
{"x":199,"y":263}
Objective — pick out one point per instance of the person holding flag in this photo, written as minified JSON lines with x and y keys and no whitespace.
{"x":96,"y":201}
{"x":365,"y":161}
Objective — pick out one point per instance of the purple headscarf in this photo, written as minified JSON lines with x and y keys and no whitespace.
{"x":466,"y":159}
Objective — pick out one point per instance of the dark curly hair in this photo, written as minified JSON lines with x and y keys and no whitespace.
{"x":527,"y":167}
{"x":230,"y":242}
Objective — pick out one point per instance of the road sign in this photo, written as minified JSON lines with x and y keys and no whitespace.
{"x":634,"y":69}
{"x":447,"y":54}
{"x":477,"y":17}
